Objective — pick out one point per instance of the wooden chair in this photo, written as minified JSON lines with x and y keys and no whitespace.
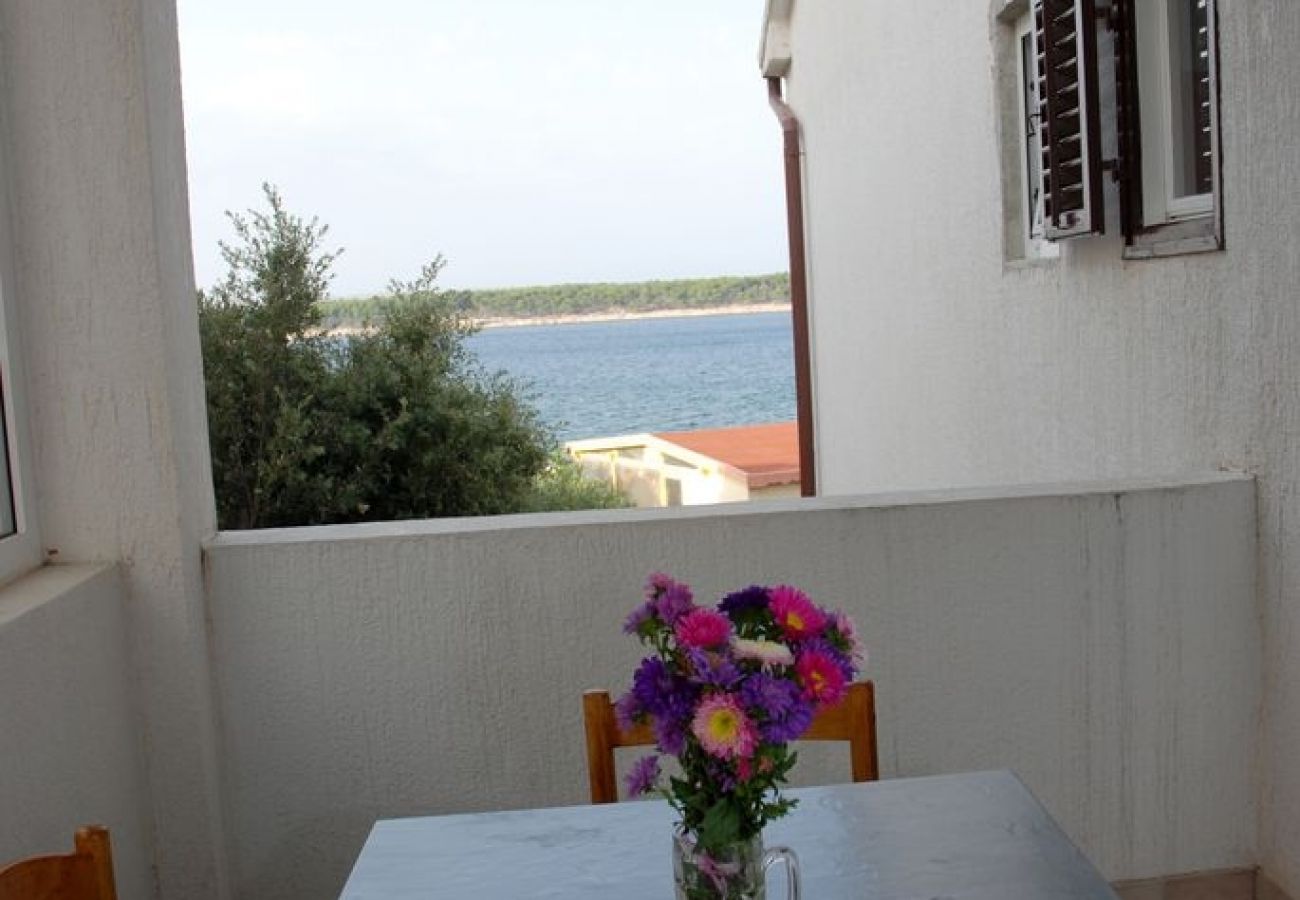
{"x":853,"y":719}
{"x":85,"y":874}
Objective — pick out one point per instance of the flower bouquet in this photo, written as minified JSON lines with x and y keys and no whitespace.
{"x":725,"y":692}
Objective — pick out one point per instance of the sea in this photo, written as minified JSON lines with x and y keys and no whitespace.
{"x":599,"y":379}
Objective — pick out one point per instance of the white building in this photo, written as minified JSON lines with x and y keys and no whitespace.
{"x":954,"y":345}
{"x":240,"y":707}
{"x":695,"y":468}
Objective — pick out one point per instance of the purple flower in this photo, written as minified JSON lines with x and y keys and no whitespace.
{"x":651,"y":683}
{"x":656,"y":584}
{"x":643,"y":776}
{"x":668,"y":699}
{"x":638,"y":617}
{"x":783,"y":712}
{"x":670,"y":733}
{"x":626,"y":711}
{"x":675,"y":602}
{"x":713,"y":669}
{"x":752,"y":597}
{"x":721,"y":774}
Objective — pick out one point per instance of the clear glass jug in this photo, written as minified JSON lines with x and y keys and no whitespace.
{"x":737,"y":873}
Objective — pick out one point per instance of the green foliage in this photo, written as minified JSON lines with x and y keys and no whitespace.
{"x":397,"y":421}
{"x":561,"y":485}
{"x":577,"y":299}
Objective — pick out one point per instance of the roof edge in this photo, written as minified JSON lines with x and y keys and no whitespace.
{"x":776,"y":50}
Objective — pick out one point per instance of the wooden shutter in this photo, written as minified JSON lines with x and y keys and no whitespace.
{"x":1065,"y":53}
{"x":1123,"y":20}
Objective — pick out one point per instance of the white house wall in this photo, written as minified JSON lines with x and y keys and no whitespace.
{"x":1101,"y":640}
{"x":938,"y":363}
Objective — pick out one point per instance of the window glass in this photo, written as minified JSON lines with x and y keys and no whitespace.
{"x":8,"y":521}
{"x":1189,"y":62}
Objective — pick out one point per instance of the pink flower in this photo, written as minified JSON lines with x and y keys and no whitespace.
{"x":844,"y":625}
{"x":723,"y":728}
{"x":744,"y":770}
{"x":703,"y":629}
{"x":798,"y":616}
{"x":822,"y":680}
{"x":656,"y":584}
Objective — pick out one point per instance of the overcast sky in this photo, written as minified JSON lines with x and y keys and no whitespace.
{"x":530,"y":142}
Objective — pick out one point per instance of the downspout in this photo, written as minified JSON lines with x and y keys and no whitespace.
{"x":798,"y":286}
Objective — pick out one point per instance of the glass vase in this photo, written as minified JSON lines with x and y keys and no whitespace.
{"x":737,"y":872}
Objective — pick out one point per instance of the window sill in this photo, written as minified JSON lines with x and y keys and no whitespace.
{"x":1200,"y":235}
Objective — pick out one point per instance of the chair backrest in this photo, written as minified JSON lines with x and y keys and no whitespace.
{"x":853,"y":719}
{"x":85,"y":874}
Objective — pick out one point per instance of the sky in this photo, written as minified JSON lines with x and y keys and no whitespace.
{"x":529,"y":142}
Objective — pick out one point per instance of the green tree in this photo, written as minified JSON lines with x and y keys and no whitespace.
{"x":395,"y":421}
{"x":561,"y":485}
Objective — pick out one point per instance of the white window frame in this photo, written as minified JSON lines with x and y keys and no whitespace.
{"x":1035,"y":243}
{"x":21,"y":551}
{"x":1171,"y":224}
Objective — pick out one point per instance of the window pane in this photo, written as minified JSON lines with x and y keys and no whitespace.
{"x":8,"y":525}
{"x":1189,"y":60}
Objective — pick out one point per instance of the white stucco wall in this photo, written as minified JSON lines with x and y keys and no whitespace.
{"x":938,"y":364}
{"x":113,"y":382}
{"x":68,"y":740}
{"x":1101,"y":641}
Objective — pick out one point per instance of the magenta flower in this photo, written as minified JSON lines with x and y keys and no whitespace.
{"x":703,"y":629}
{"x":821,"y":677}
{"x":723,"y":729}
{"x":798,"y":617}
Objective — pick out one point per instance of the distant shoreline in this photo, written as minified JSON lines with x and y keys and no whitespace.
{"x":618,"y":315}
{"x":609,"y":315}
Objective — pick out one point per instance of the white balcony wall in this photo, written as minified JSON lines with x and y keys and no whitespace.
{"x":70,"y":748}
{"x":940,"y":363}
{"x":1101,"y":641}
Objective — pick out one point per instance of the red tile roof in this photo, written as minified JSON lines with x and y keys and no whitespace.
{"x":767,"y":454}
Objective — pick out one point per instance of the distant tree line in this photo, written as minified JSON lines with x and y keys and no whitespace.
{"x":577,"y":299}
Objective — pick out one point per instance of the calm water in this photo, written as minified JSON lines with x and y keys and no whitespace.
{"x":606,"y":378}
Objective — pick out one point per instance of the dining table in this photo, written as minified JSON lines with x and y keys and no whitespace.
{"x":971,"y":836}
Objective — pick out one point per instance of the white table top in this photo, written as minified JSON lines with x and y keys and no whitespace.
{"x":978,"y":836}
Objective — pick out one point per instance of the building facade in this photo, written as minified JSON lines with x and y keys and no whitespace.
{"x":969,"y":328}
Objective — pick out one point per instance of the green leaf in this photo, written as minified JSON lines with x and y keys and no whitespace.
{"x":720,"y":827}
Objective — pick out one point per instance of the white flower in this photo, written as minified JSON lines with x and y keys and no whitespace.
{"x":769,"y":653}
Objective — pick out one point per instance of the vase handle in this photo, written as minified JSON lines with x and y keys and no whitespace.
{"x":791,"y":860}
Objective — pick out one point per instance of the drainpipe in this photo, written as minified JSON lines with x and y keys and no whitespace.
{"x":798,"y":285}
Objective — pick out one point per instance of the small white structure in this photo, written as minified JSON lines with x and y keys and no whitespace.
{"x":693,"y":468}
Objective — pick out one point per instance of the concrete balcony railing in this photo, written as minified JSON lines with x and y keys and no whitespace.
{"x":1100,"y":640}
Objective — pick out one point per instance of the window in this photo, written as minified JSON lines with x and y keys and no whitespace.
{"x":1123,"y":97}
{"x":1177,"y":119}
{"x":20,"y":547}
